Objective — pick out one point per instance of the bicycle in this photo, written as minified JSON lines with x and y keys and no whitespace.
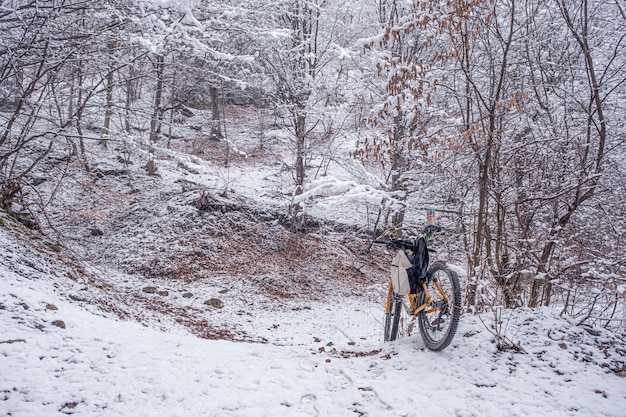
{"x":433,"y":293}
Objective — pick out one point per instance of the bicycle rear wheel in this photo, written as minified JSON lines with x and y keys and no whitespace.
{"x":392,"y":317}
{"x":439,"y":320}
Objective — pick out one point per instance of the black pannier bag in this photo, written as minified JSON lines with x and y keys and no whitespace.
{"x":420,"y":260}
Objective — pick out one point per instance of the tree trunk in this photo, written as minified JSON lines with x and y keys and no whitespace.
{"x":157,"y":114}
{"x":300,"y":131}
{"x":108,"y":113}
{"x":216,"y":130}
{"x":71,"y":96}
{"x":398,"y":168}
{"x":130,"y":95}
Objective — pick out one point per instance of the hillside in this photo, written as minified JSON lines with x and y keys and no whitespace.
{"x":166,"y":243}
{"x":64,"y":351}
{"x":140,"y":301}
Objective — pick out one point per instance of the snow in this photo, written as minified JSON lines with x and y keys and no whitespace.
{"x":323,"y":358}
{"x":95,"y":344}
{"x":343,"y":191}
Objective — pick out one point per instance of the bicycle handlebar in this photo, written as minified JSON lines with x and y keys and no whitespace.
{"x":396,"y":243}
{"x":409,"y":244}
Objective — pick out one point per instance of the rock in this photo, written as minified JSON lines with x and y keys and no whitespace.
{"x":68,"y":406}
{"x":163,"y":293}
{"x":185,"y":111}
{"x":603,"y":393}
{"x":149,"y":290}
{"x":591,"y":331}
{"x":187,"y":295}
{"x":96,"y":232}
{"x":51,"y":307}
{"x":74,"y":297}
{"x":123,"y":160}
{"x":115,"y":172}
{"x":151,"y":167}
{"x":59,"y":323}
{"x":215,"y":302}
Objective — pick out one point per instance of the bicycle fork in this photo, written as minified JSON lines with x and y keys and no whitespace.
{"x":399,"y":298}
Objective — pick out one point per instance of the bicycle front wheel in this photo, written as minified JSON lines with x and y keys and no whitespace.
{"x":392,"y":316}
{"x":439,"y":320}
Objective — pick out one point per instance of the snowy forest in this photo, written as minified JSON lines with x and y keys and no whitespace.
{"x":507,"y":116}
{"x":155,"y":144}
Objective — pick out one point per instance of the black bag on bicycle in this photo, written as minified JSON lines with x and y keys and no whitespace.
{"x":420,"y":260}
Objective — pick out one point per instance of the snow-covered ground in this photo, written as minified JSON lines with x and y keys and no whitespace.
{"x":324,"y":358}
{"x":81,"y":334}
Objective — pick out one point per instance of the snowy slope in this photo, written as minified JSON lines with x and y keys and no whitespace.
{"x":328,"y":361}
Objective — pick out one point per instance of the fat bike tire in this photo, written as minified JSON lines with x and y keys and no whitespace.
{"x":439,"y":320}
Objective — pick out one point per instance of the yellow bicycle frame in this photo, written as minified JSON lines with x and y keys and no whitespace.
{"x":415,"y":309}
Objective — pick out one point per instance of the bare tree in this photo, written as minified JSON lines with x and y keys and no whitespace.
{"x":294,"y":63}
